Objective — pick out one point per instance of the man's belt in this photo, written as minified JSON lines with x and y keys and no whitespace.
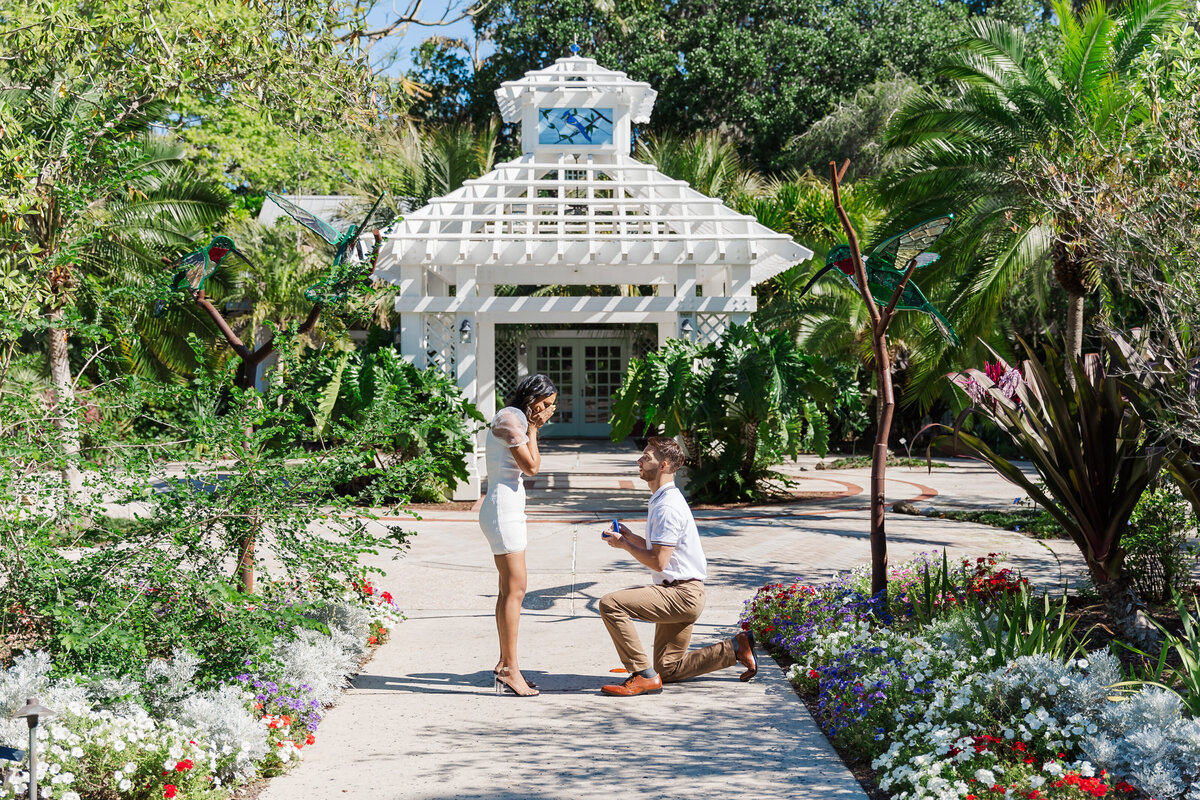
{"x":681,"y":580}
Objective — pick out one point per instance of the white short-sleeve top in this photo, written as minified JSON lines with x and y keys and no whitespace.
{"x":669,"y":522}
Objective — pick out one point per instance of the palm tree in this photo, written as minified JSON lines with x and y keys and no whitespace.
{"x":970,"y":153}
{"x":438,"y":159}
{"x":707,"y":160}
{"x":112,"y":202}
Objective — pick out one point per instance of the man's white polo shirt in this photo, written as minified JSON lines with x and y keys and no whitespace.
{"x":669,"y":522}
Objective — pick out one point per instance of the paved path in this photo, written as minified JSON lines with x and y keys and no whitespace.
{"x":422,"y":723}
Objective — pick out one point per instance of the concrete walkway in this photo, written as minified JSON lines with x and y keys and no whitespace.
{"x":422,"y":723}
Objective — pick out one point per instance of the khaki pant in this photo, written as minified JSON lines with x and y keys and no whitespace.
{"x":673,"y":609}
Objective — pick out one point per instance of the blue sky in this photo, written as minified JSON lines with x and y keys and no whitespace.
{"x":415,"y":34}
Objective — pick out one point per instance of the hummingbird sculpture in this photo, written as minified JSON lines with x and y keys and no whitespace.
{"x":887,"y":264}
{"x":193,"y":269}
{"x":337,"y":284}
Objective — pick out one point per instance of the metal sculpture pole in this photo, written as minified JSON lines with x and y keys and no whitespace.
{"x":880,"y":320}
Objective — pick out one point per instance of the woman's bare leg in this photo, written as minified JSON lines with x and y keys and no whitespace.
{"x":511,"y":594}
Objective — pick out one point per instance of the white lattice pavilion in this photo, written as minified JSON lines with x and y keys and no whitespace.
{"x":574,"y":210}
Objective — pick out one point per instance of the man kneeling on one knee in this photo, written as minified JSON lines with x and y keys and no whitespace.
{"x":672,"y":551}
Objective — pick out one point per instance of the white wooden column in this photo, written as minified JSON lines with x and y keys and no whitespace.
{"x":467,"y":362}
{"x":485,"y":375}
{"x":668,"y":329}
{"x":685,"y":287}
{"x":412,"y":348}
{"x":740,"y":285}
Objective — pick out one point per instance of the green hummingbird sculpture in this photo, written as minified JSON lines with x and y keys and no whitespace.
{"x":342,"y":278}
{"x":886,"y":265}
{"x":193,"y":269}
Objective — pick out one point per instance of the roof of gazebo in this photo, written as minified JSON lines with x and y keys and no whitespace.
{"x":568,"y":78}
{"x":571,"y":202}
{"x":601,"y":210}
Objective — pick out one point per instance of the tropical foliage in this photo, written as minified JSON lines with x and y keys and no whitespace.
{"x":425,"y":413}
{"x":977,"y":152}
{"x":740,"y":405}
{"x":1087,"y":444}
{"x":764,"y":71}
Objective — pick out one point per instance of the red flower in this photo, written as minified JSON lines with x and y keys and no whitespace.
{"x":184,"y":766}
{"x":311,"y":739}
{"x":169,"y":790}
{"x":386,"y":597}
{"x":1019,"y":746}
{"x":812,"y":673}
{"x":373,"y":640}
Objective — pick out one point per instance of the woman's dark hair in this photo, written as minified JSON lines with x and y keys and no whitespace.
{"x":530,"y":390}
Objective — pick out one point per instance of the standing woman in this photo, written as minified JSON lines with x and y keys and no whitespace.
{"x":512,"y":450}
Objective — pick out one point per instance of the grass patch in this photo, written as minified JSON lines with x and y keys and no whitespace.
{"x":1033,"y":521}
{"x":862,"y":462}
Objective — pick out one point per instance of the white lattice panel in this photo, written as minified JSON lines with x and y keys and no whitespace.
{"x":710,"y":327}
{"x":439,"y":343}
{"x":507,"y":364}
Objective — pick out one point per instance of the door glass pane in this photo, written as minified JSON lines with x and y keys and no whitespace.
{"x":557,"y":362}
{"x":602,"y":376}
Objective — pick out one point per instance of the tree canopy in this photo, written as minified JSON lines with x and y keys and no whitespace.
{"x":761,"y":70}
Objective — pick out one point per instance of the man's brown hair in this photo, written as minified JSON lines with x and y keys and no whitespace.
{"x":667,"y":451}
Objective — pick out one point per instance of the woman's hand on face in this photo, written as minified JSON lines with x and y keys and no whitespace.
{"x":540,"y":413}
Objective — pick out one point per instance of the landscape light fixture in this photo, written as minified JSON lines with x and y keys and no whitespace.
{"x":464,"y":331}
{"x":32,"y":711}
{"x":685,"y":327}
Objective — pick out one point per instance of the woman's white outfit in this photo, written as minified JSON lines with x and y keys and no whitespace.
{"x":502,"y":514}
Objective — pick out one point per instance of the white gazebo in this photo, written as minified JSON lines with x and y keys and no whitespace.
{"x":574,"y":210}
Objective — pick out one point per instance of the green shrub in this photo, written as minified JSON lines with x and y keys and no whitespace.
{"x":1156,"y":553}
{"x":740,"y":405}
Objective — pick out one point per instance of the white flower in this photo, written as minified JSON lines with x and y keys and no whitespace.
{"x":1036,"y":781}
{"x":77,"y":752}
{"x":67,"y":777}
{"x":1025,"y":704}
{"x":125,"y":785}
{"x":118,"y":776}
{"x":985,"y":776}
{"x":70,"y":796}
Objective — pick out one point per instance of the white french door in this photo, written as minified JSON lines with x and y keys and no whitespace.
{"x":587,"y":372}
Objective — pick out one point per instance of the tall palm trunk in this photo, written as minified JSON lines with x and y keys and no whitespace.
{"x":65,"y":419}
{"x":1071,"y":273}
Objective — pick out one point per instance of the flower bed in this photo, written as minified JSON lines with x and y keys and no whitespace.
{"x":166,"y":734}
{"x":975,"y":689}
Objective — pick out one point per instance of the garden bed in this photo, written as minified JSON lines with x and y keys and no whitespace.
{"x":974,"y":687}
{"x":179,"y":727}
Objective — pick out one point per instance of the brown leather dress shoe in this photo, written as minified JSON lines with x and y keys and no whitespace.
{"x":635,"y":684}
{"x":744,"y":652}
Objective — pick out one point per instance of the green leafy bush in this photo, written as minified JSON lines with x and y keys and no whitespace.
{"x":740,"y":405}
{"x":412,"y":414}
{"x":1157,"y":559}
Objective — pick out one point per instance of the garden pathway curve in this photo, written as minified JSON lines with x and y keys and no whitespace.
{"x":421,"y":721}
